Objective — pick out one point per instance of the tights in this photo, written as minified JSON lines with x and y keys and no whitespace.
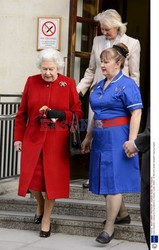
{"x":113,"y":204}
{"x":44,"y":206}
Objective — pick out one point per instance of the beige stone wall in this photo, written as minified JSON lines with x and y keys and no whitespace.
{"x":18,"y":38}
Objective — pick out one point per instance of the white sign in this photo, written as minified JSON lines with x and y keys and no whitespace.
{"x":48,"y":32}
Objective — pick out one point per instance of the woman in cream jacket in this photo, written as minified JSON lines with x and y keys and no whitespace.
{"x":113,"y":31}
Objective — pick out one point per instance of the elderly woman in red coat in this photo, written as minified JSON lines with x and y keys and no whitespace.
{"x":42,"y":135}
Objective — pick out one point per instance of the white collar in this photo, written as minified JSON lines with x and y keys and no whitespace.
{"x":117,"y":78}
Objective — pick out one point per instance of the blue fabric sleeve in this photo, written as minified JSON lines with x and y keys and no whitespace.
{"x":131,"y":96}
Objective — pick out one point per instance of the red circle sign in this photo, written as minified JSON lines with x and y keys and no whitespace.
{"x":48,"y":28}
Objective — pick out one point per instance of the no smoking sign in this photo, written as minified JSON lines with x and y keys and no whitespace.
{"x":48,"y":28}
{"x":48,"y":32}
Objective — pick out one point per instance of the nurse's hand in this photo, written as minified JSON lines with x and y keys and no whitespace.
{"x":85,"y":147}
{"x":18,"y":146}
{"x":129,"y":148}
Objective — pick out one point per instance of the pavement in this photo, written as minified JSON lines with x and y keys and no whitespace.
{"x":13,"y":239}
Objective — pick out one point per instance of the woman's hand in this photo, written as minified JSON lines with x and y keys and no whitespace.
{"x":18,"y":146}
{"x":129,"y":148}
{"x":86,"y":144}
{"x":43,"y":110}
{"x":85,"y":147}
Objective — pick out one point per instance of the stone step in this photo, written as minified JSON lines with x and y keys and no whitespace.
{"x":78,"y":192}
{"x":96,"y":209}
{"x":8,"y":185}
{"x":75,"y":225}
{"x":72,"y":207}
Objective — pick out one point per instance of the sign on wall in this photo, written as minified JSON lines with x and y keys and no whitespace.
{"x":48,"y":32}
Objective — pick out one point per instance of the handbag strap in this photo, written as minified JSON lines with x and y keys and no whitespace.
{"x":75,"y":123}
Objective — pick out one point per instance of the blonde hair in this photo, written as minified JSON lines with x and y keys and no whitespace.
{"x":115,"y":54}
{"x":112,"y":19}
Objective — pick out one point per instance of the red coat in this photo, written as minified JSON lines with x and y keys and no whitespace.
{"x":52,"y":142}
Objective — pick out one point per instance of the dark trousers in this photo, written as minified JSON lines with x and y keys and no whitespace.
{"x":145,"y":210}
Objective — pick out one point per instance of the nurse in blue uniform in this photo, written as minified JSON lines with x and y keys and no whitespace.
{"x":117,"y":104}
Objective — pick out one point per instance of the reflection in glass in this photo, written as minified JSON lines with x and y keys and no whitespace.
{"x":87,"y":8}
{"x":84,"y":37}
{"x":81,"y":64}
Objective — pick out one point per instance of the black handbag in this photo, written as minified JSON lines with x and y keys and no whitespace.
{"x":75,"y":141}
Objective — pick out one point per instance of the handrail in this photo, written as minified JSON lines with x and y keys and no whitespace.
{"x":10,"y":95}
{"x":8,"y":103}
{"x":7,"y":117}
{"x":9,"y":157}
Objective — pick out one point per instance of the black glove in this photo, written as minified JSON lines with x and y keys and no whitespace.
{"x":53,"y":113}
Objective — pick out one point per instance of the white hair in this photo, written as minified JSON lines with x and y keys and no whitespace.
{"x":50,"y":54}
{"x":112,"y":19}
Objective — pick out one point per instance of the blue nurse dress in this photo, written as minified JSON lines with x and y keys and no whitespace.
{"x":111,"y":171}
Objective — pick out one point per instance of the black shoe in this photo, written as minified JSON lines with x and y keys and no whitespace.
{"x":104,"y":237}
{"x":38,"y":218}
{"x":85,"y":185}
{"x":121,"y":220}
{"x":45,"y":234}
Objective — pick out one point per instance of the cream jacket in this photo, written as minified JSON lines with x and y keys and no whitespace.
{"x":93,"y":73}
